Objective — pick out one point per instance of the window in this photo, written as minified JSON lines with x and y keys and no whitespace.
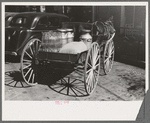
{"x":20,"y":21}
{"x":8,"y":18}
{"x":43,"y":22}
{"x":53,"y":21}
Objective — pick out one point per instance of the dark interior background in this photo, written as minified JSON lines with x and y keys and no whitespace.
{"x":129,"y":22}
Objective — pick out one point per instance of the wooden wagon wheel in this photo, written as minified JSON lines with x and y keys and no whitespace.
{"x":29,"y":62}
{"x":92,"y":68}
{"x":108,"y":57}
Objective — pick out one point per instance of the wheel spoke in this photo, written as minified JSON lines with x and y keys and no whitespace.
{"x":28,"y":54}
{"x":30,"y":75}
{"x":96,"y":65}
{"x":112,"y":45}
{"x":67,"y":90}
{"x":63,"y":88}
{"x":108,"y":57}
{"x":112,"y":48}
{"x":27,"y":66}
{"x":106,"y":60}
{"x":88,"y":85}
{"x":112,"y":52}
{"x":95,"y":58}
{"x":73,"y":81}
{"x":33,"y":78}
{"x":88,"y":71}
{"x":96,"y":51}
{"x":58,"y":86}
{"x":98,"y":58}
{"x":87,"y":78}
{"x":91,"y":57}
{"x":73,"y":91}
{"x":77,"y":83}
{"x":89,"y":65}
{"x":90,"y":79}
{"x":27,"y":72}
{"x":96,"y":71}
{"x":31,"y":51}
{"x":34,"y":50}
{"x":78,"y":91}
{"x":81,"y":89}
{"x":92,"y":61}
{"x":63,"y":80}
{"x":25,"y":60}
{"x":98,"y":55}
{"x":94,"y":76}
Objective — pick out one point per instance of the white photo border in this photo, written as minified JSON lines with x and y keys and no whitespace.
{"x":75,"y":110}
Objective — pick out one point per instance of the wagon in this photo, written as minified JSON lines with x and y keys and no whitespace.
{"x":89,"y":61}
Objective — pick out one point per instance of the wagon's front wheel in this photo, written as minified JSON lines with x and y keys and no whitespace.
{"x":92,"y":68}
{"x":29,"y":61}
{"x":108,"y":57}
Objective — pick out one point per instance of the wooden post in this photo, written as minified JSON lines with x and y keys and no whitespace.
{"x":93,"y":13}
{"x":122,"y":19}
{"x":63,"y":8}
{"x":133,"y":16}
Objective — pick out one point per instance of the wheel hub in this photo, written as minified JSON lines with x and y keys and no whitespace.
{"x":36,"y":62}
{"x":94,"y":67}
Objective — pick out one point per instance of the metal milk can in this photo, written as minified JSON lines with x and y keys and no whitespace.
{"x":70,"y":35}
{"x":63,"y":36}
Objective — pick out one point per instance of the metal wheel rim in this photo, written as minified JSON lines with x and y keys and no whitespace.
{"x":108,"y":57}
{"x":28,"y":56}
{"x":92,"y":68}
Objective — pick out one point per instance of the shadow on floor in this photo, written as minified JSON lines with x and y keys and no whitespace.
{"x":14,"y":79}
{"x":66,"y":82}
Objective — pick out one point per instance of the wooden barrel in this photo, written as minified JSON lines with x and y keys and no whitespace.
{"x":53,"y":41}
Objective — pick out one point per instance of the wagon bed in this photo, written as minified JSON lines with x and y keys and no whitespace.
{"x":90,"y":60}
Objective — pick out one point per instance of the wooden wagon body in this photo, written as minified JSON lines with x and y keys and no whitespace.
{"x":88,"y":61}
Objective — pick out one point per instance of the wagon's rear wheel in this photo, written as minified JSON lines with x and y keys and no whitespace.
{"x":92,"y":68}
{"x":29,"y":61}
{"x":108,"y":57}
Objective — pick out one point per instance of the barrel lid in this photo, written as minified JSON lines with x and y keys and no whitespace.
{"x":62,"y":30}
{"x":86,"y":36}
{"x":69,"y":30}
{"x":86,"y":30}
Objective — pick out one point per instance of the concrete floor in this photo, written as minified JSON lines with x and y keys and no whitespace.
{"x":123,"y":83}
